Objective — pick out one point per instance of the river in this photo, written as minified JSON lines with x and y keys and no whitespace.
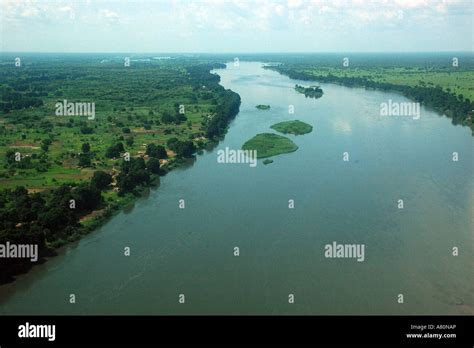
{"x":190,"y":251}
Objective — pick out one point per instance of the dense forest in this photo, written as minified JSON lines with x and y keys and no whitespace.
{"x":61,"y":176}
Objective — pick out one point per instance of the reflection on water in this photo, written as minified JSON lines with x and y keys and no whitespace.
{"x":342,"y":126}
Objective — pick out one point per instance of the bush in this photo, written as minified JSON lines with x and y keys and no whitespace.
{"x":86,"y":130}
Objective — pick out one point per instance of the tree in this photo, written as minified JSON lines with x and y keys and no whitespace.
{"x":167,"y":117}
{"x":101,"y":180}
{"x":153,"y":165}
{"x":172,"y":142}
{"x":114,"y":150}
{"x":86,"y":130}
{"x":84,"y":160}
{"x":87,"y":197}
{"x":47,"y":141}
{"x":182,"y":148}
{"x":133,"y":173}
{"x":186,"y":149}
{"x":179,"y":118}
{"x":86,"y":148}
{"x":10,"y":156}
{"x":156,"y":151}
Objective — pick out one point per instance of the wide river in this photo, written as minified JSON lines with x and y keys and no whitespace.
{"x":190,"y":251}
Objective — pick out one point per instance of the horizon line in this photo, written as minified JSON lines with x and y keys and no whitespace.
{"x":221,"y":53}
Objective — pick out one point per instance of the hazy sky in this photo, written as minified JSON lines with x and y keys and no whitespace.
{"x":236,"y":25}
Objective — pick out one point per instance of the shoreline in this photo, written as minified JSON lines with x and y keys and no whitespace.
{"x":110,"y":209}
{"x":178,"y":245}
{"x":352,"y":82}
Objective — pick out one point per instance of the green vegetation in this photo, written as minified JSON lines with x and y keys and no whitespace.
{"x":311,"y":92}
{"x":269,"y":144}
{"x":429,"y":79}
{"x":267,"y":161}
{"x":48,"y":219}
{"x":148,"y":118}
{"x":156,"y":151}
{"x":293,"y":127}
{"x":263,"y":107}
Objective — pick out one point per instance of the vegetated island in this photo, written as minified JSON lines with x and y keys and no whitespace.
{"x":263,"y":107}
{"x":267,"y":161}
{"x":295,"y":127}
{"x":269,"y":144}
{"x":312,"y":91}
{"x":425,"y":79}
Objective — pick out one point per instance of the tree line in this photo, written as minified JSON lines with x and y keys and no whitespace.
{"x":53,"y":217}
{"x":228,"y":102}
{"x":458,"y":108}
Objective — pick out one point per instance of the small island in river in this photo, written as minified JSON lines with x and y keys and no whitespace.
{"x":263,"y":107}
{"x":267,"y":161}
{"x":295,"y":127}
{"x":312,"y":91}
{"x":269,"y":144}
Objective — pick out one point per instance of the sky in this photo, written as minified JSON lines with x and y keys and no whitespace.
{"x":228,"y":26}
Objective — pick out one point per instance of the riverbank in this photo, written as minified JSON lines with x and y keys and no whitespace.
{"x":438,"y":97}
{"x":54,"y":216}
{"x":191,"y":251}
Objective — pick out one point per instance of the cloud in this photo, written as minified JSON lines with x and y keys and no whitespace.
{"x":252,"y":14}
{"x":66,"y":8}
{"x":30,"y":12}
{"x":109,"y":14}
{"x":294,"y":3}
{"x":316,"y":24}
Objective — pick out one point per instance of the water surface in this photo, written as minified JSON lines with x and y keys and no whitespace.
{"x":190,"y":251}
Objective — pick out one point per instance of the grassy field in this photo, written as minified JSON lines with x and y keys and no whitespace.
{"x":440,"y":81}
{"x":269,"y":144}
{"x":292,"y":127}
{"x":459,"y":82}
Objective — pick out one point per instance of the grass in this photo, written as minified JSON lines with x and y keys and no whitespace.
{"x":269,"y":144}
{"x":292,"y":127}
{"x":457,"y":81}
